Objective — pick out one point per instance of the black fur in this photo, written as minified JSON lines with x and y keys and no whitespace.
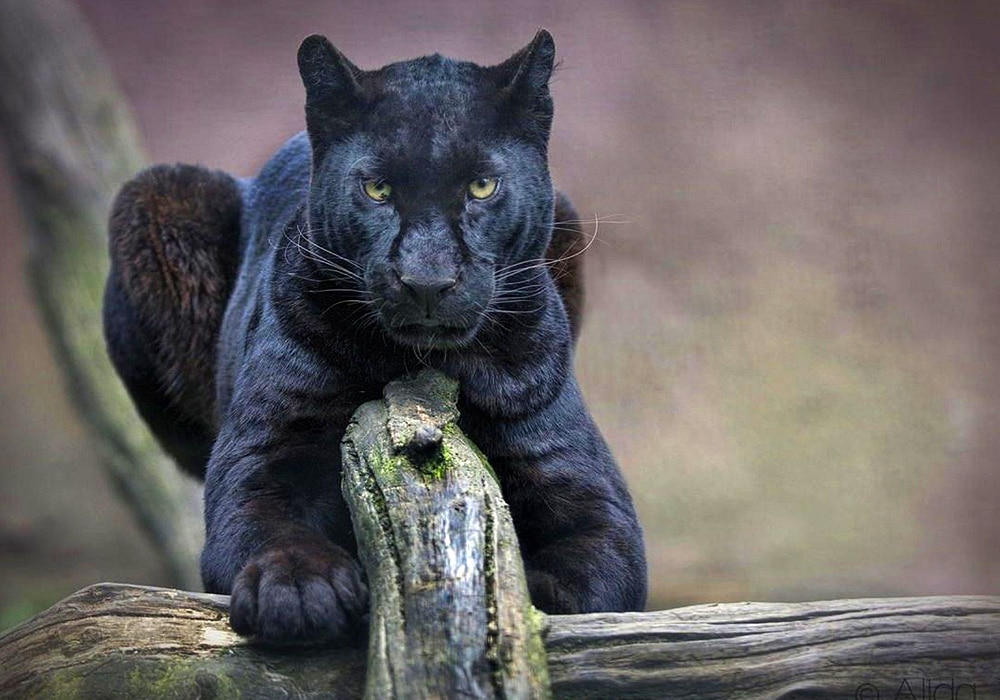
{"x":329,"y":294}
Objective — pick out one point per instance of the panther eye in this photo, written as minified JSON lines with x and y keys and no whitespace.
{"x":483,"y":188}
{"x":377,"y":190}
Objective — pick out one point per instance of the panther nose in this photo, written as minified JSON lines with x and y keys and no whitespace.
{"x":427,"y":291}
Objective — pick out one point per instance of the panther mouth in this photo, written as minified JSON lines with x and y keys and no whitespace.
{"x":432,"y":335}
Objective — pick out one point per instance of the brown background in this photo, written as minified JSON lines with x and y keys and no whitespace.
{"x":794,"y":321}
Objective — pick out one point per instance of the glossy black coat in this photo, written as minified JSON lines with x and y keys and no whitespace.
{"x":324,"y":311}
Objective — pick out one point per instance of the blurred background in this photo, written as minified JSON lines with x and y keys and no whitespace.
{"x":793,"y":321}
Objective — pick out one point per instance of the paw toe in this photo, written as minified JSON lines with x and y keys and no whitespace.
{"x":284,"y":597}
{"x":243,"y":601}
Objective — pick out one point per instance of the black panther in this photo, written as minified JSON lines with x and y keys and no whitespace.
{"x":412,"y":224}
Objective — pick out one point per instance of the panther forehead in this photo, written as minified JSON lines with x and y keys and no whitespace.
{"x":431,"y":76}
{"x":427,"y":117}
{"x":432,"y":92}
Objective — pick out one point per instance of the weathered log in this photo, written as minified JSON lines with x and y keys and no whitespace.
{"x":71,"y":143}
{"x":450,"y":611}
{"x":115,"y":641}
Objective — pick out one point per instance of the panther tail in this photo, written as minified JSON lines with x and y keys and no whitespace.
{"x":173,"y":239}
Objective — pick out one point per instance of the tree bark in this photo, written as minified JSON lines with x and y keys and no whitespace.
{"x":450,"y":611}
{"x":71,"y":143}
{"x":115,"y":641}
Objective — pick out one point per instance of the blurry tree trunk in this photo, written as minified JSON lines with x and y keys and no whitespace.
{"x":71,"y":143}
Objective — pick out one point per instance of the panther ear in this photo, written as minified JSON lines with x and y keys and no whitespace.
{"x":525,"y":80}
{"x":333,"y":94}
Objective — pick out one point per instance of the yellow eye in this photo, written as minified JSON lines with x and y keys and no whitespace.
{"x":483,"y":188}
{"x":378,"y":190}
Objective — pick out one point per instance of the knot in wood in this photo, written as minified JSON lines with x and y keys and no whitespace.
{"x":424,"y":439}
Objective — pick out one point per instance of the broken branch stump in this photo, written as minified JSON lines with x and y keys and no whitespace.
{"x":450,"y":614}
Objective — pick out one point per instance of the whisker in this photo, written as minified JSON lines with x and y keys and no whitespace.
{"x":336,"y":256}
{"x":524,"y":266}
{"x":483,"y":345}
{"x":605,"y":219}
{"x":516,"y":312}
{"x":309,"y":253}
{"x":343,"y":290}
{"x":363,"y":303}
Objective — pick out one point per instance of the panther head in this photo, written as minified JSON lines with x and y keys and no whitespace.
{"x":430,"y":192}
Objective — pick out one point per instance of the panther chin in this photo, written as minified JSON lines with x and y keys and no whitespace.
{"x":431,"y":335}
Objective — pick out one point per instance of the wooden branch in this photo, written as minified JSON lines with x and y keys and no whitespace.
{"x":71,"y":143}
{"x":834,"y":649}
{"x":450,"y":614}
{"x":129,"y":641}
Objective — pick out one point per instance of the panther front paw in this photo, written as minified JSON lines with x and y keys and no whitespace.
{"x":310,"y":593}
{"x":549,"y":595}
